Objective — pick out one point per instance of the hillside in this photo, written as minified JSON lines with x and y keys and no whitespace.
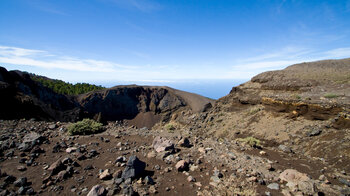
{"x":61,"y":87}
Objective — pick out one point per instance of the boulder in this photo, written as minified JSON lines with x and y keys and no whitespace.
{"x":20,"y":182}
{"x":290,"y":175}
{"x":134,"y":168}
{"x":56,"y":167}
{"x":162,"y":144}
{"x":273,"y":186}
{"x":298,"y":181}
{"x":97,"y":190}
{"x":285,"y":148}
{"x":30,"y":140}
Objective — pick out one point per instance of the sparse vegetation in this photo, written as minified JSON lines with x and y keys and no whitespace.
{"x":85,"y":127}
{"x":251,"y":141}
{"x":170,"y":127}
{"x":298,"y":97}
{"x":330,"y":95}
{"x":65,"y":88}
{"x":254,"y":110}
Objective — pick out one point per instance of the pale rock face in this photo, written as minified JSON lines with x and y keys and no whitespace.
{"x":162,"y":144}
{"x":96,"y":190}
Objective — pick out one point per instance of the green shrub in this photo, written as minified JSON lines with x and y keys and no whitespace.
{"x":298,"y":97}
{"x":330,"y":95}
{"x":251,"y":141}
{"x":85,"y":127}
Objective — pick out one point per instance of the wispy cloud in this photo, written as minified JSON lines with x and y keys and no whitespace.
{"x":141,"y":5}
{"x":47,"y":7}
{"x":247,"y":68}
{"x":338,"y":53}
{"x":43,"y":59}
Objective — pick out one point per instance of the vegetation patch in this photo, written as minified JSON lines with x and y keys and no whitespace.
{"x":170,"y":127}
{"x":330,"y":95}
{"x":85,"y":127}
{"x":254,"y":110}
{"x":251,"y":141}
{"x":65,"y":88}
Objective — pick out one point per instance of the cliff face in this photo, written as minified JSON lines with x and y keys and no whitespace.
{"x":145,"y":104}
{"x":317,"y":90}
{"x":22,"y":97}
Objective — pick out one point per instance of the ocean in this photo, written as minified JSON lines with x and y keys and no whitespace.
{"x":213,"y":89}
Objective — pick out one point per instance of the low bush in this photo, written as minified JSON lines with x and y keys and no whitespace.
{"x":330,"y":95}
{"x":85,"y":127}
{"x":251,"y":141}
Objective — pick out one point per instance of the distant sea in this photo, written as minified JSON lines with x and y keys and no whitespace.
{"x":214,"y":89}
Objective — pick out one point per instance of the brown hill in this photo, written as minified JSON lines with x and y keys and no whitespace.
{"x":21,"y":97}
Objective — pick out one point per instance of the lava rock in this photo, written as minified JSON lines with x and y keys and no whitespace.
{"x":134,"y":168}
{"x":20,"y":182}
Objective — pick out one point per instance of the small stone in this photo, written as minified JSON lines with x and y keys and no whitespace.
{"x":52,"y":126}
{"x":181,"y":165}
{"x":105,"y":175}
{"x":201,"y":150}
{"x":314,"y":132}
{"x":198,"y":184}
{"x":184,"y":142}
{"x":21,"y":190}
{"x":273,"y":186}
{"x":193,"y":167}
{"x":157,"y":167}
{"x":21,"y":168}
{"x":118,"y":181}
{"x":149,"y":180}
{"x":62,"y":175}
{"x":151,"y":154}
{"x":120,"y":159}
{"x":71,"y":149}
{"x":191,"y":179}
{"x":117,"y":174}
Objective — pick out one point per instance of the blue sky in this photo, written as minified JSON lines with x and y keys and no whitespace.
{"x":161,"y":42}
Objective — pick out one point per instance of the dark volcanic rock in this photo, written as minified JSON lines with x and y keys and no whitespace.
{"x":134,"y":168}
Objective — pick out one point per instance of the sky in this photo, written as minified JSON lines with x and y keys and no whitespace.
{"x":175,"y":43}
